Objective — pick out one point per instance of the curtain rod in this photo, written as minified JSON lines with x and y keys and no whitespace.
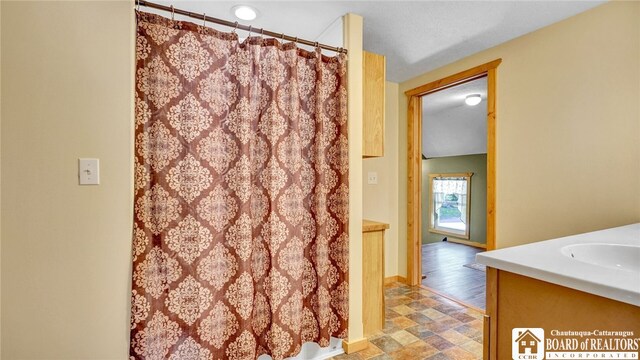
{"x":261,"y":31}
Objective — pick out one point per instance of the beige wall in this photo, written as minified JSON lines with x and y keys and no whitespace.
{"x":67,"y":73}
{"x":568,"y":127}
{"x":353,"y":28}
{"x":67,"y":80}
{"x":0,"y":183}
{"x":65,"y":261}
{"x":380,"y":202}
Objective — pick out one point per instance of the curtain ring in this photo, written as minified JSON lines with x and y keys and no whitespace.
{"x":282,"y":36}
{"x":235,"y":28}
{"x":172,"y":13}
{"x":261,"y":33}
{"x":296,"y":41}
{"x":249,"y":32}
{"x":315,"y":44}
{"x":138,"y":5}
{"x":204,"y":19}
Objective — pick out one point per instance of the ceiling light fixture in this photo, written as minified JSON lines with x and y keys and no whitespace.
{"x":244,"y":12}
{"x":473,"y":99}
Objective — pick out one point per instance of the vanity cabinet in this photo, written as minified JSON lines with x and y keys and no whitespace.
{"x":373,"y":276}
{"x":586,"y":283}
{"x":373,"y":70}
{"x":517,"y":301}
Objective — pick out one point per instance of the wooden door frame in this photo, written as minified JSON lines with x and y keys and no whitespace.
{"x":414,"y":158}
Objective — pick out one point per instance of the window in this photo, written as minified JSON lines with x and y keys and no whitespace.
{"x":449,"y":204}
{"x":523,"y":343}
{"x":532,"y":343}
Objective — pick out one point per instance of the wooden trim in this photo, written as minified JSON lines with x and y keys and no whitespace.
{"x":486,"y":330}
{"x":491,"y":159}
{"x":394,"y":279}
{"x":455,"y":79}
{"x":414,"y":160}
{"x":467,"y":242}
{"x":466,"y":174}
{"x":448,"y":234}
{"x":354,"y":346}
{"x":414,"y":177}
{"x":453,"y":299}
{"x":491,"y":336}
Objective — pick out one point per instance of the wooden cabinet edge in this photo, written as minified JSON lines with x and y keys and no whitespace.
{"x":515,"y":301}
{"x":373,"y":276}
{"x":370,"y":225}
{"x":373,"y":99}
{"x":491,"y":318}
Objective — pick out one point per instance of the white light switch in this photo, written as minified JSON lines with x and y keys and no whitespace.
{"x":372,"y":178}
{"x":89,"y":171}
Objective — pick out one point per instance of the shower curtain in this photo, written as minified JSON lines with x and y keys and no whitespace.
{"x":240,"y":244}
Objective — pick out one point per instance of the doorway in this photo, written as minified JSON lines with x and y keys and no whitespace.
{"x":454,"y":174}
{"x":414,"y":210}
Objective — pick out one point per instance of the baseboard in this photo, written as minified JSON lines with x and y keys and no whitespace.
{"x":467,"y":242}
{"x":392,"y":279}
{"x":355,"y":346}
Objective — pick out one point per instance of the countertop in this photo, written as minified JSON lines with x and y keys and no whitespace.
{"x":370,"y":225}
{"x":544,"y":261}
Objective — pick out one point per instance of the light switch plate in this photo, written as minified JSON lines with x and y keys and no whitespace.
{"x":372,"y":178}
{"x":89,"y":171}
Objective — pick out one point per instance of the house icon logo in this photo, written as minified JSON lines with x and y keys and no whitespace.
{"x":527,"y":343}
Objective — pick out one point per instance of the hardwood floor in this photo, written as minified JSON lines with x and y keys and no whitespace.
{"x":443,"y":264}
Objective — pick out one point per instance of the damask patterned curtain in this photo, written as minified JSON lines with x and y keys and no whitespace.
{"x":240,"y":243}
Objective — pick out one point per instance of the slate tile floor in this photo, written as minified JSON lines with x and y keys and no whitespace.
{"x":422,"y":325}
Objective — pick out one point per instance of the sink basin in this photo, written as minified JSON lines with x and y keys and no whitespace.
{"x":612,"y":256}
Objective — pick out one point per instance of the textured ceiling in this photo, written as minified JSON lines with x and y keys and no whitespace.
{"x":449,"y":126}
{"x":416,"y":36}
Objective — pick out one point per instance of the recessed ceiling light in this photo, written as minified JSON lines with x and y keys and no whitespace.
{"x":473,"y":99}
{"x":244,"y":12}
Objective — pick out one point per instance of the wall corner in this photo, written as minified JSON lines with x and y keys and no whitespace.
{"x":353,"y":31}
